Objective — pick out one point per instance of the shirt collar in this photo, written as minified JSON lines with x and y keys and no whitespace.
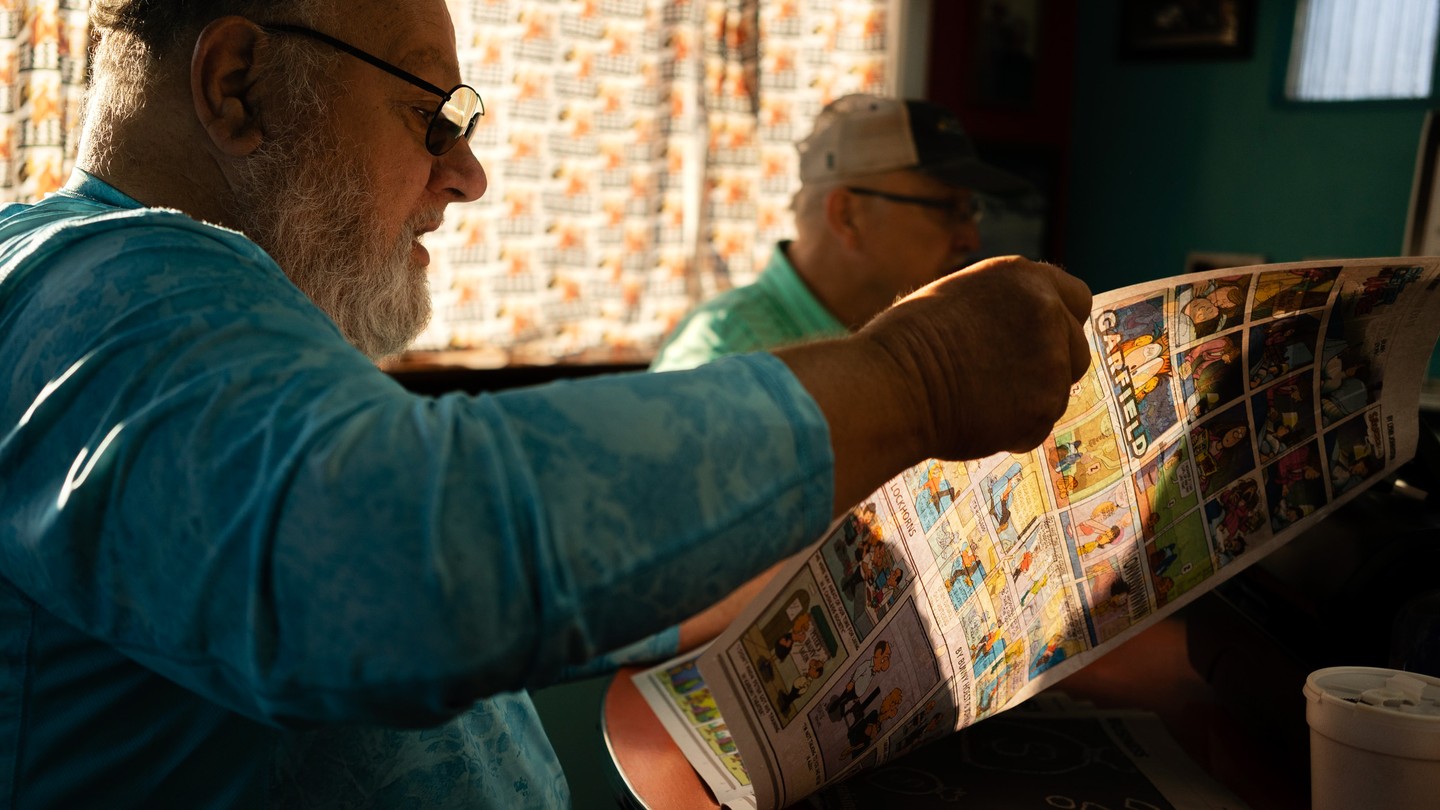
{"x":780,"y":278}
{"x":87,"y":186}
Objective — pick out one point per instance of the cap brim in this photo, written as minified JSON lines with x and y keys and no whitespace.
{"x":981,"y":177}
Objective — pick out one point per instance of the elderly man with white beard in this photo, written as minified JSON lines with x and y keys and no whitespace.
{"x":241,"y":566}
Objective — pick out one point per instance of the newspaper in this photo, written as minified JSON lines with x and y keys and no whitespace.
{"x":1224,"y":413}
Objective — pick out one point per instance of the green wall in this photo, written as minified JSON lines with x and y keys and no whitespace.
{"x":1170,"y":157}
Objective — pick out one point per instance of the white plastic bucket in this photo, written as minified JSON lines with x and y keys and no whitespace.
{"x":1374,"y":739}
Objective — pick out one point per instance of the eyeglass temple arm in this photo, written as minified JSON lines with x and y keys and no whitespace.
{"x":357,"y":53}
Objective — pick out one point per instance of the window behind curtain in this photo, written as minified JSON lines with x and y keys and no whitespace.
{"x":641,"y":158}
{"x":1355,"y":50}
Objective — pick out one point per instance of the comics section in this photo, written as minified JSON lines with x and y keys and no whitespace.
{"x":1222,"y":414}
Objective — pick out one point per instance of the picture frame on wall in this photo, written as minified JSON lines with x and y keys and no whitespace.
{"x":1187,"y":29}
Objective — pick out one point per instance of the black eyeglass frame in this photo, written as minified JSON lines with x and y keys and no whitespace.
{"x":952,"y":207}
{"x":437,"y":142}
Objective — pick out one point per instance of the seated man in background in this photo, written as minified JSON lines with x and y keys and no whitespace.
{"x":240,"y":566}
{"x":886,"y":205}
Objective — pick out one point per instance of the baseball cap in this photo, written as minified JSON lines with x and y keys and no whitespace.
{"x":864,"y":134}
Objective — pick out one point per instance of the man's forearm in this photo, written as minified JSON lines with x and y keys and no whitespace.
{"x":877,"y":426}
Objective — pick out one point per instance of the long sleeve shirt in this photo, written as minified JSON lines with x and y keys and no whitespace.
{"x":237,"y":560}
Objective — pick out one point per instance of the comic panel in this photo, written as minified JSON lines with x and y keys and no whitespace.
{"x":717,"y":737}
{"x":1284,"y":415}
{"x":957,"y":474}
{"x":1210,"y":373}
{"x":1350,"y":377}
{"x":700,"y":705}
{"x":1166,"y":486}
{"x":1136,"y":345}
{"x":791,"y":645}
{"x":1355,"y":347}
{"x":936,"y":718}
{"x":682,"y":679}
{"x":1354,"y":452}
{"x":864,"y":525}
{"x":1084,"y":394}
{"x":1352,"y":358}
{"x":1209,"y":307}
{"x":1283,"y":292}
{"x":985,"y":637}
{"x":884,"y":684}
{"x":1178,"y":559}
{"x":931,"y":491}
{"x":1282,"y":346}
{"x":1084,"y":457}
{"x":1058,"y":634}
{"x":1101,"y":525}
{"x":1364,"y":297}
{"x":1015,"y":498}
{"x":1001,"y":681}
{"x":1114,"y":589}
{"x":1238,"y":519}
{"x":868,"y":565}
{"x":1294,"y":486}
{"x":959,"y":524}
{"x":684,"y":685}
{"x":975,"y":560}
{"x":1222,"y":449}
{"x":1037,"y":567}
{"x":998,"y":600}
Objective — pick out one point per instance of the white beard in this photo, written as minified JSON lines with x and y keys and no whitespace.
{"x":313,"y":210}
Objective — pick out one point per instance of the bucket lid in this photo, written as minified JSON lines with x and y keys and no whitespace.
{"x":1382,"y":710}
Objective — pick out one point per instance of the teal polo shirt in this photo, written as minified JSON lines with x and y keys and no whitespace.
{"x":776,"y":310}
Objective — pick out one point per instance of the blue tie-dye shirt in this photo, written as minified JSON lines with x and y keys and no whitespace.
{"x":235,"y":556}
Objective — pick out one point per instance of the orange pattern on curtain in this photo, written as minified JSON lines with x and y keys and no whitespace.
{"x":43,"y":47}
{"x":641,"y":158}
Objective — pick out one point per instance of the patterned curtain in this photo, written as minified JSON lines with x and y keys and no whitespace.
{"x":641,"y":158}
{"x":43,"y":45}
{"x":640,"y":154}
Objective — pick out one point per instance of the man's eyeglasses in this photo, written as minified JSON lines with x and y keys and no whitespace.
{"x":452,"y":120}
{"x":958,"y":211}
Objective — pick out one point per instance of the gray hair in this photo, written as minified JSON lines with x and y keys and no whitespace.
{"x":140,"y":40}
{"x":159,"y":26}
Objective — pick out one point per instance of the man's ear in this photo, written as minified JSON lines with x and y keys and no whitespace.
{"x":840,"y":217}
{"x":224,"y":71}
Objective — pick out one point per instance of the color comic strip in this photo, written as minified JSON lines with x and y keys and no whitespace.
{"x":688,"y":710}
{"x":1222,"y":413}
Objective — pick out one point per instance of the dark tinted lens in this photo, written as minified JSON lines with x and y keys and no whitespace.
{"x":455,"y":119}
{"x":442,"y":135}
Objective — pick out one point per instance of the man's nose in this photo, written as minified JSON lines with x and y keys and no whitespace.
{"x":458,"y":175}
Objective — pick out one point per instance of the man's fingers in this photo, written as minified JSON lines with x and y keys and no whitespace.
{"x":1074,"y":293}
{"x":1021,"y":392}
